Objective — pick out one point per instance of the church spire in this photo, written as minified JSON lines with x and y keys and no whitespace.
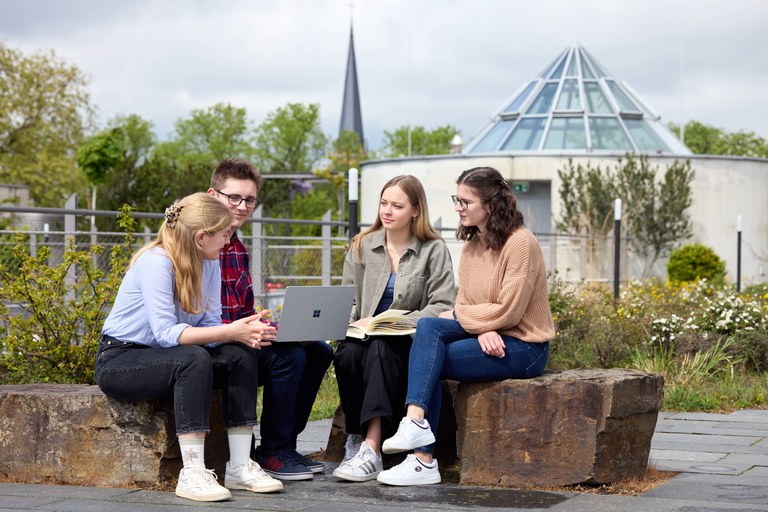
{"x":351,"y":116}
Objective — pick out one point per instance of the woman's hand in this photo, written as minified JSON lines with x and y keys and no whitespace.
{"x":491,"y":343}
{"x":253,"y":331}
{"x":446,"y":314}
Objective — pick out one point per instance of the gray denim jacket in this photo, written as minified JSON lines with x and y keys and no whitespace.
{"x":424,"y":282}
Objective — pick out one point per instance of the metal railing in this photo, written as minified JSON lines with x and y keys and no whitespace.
{"x":278,"y":260}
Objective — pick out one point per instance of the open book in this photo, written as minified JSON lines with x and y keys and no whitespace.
{"x":386,"y":323}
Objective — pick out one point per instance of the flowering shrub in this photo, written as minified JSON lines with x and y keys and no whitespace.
{"x":657,"y":319}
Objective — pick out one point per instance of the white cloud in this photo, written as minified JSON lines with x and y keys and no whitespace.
{"x":426,"y":62}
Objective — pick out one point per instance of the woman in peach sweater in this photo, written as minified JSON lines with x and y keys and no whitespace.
{"x":500,"y":328}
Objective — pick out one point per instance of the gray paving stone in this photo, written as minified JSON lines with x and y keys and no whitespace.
{"x":697,"y":467}
{"x":686,"y":456}
{"x":757,"y":417}
{"x":709,"y":447}
{"x":704,"y":438}
{"x":745,"y":458}
{"x":711,"y":427}
{"x":758,"y":471}
{"x":715,"y":489}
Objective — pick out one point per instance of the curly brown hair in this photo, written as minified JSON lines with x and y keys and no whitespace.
{"x":494,"y":191}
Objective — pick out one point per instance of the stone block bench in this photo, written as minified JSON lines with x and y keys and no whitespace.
{"x":577,"y":426}
{"x":74,"y":434}
{"x":563,"y":428}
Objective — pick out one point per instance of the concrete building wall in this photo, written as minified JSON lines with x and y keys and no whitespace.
{"x":723,"y":188}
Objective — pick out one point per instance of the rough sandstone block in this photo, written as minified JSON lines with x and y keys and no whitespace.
{"x":73,"y":434}
{"x":576,"y":426}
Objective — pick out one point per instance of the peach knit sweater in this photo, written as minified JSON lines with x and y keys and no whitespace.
{"x":506,"y":290}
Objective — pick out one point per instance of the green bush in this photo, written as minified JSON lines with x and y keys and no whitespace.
{"x":695,"y":261}
{"x":50,"y":324}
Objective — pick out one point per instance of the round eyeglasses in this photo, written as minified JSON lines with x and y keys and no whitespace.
{"x":463,"y":204}
{"x":237,"y":200}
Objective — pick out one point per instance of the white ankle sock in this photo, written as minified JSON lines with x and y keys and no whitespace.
{"x":192,"y":451}
{"x":239,"y":445}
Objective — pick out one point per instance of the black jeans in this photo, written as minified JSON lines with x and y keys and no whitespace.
{"x":131,"y":372}
{"x":373,"y":379}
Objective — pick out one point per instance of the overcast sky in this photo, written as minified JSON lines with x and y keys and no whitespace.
{"x":420,"y":62}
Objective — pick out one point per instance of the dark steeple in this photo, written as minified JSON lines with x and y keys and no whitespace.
{"x":351,"y":116}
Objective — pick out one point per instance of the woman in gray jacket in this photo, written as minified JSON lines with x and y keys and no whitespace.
{"x":400,"y":262}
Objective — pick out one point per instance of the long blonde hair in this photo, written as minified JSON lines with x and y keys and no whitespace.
{"x":420,"y":226}
{"x":183,"y":221}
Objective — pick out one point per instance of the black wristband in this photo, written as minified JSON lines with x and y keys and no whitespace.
{"x":454,"y":315}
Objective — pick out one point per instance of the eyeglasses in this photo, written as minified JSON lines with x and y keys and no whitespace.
{"x":236,"y":200}
{"x":463,"y":204}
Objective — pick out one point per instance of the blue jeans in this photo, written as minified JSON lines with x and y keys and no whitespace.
{"x":131,"y":372}
{"x":443,"y":350}
{"x":291,"y":374}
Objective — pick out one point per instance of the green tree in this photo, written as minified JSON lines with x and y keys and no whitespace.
{"x":44,"y":110}
{"x":420,"y":141}
{"x":708,"y":140}
{"x":654,"y":211}
{"x":289,"y":141}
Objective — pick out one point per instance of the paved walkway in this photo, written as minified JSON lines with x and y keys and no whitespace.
{"x":722,"y":460}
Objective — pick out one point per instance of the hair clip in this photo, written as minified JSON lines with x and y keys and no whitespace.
{"x":172,"y":215}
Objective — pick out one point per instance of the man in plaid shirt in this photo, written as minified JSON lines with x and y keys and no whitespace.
{"x":291,"y":373}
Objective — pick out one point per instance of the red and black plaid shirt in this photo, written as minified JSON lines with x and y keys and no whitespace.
{"x":236,"y":284}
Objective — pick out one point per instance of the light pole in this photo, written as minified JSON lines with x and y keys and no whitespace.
{"x":616,"y":248}
{"x":352,"y":202}
{"x":738,"y":253}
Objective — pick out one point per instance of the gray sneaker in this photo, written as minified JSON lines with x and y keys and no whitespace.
{"x":364,"y":466}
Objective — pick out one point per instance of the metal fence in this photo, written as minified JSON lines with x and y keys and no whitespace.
{"x":279,"y":260}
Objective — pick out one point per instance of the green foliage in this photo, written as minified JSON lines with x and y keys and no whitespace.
{"x":98,"y":154}
{"x":289,"y":141}
{"x":707,"y":140}
{"x":705,"y":339}
{"x":695,"y":261}
{"x":654,"y":212}
{"x":44,"y":110}
{"x":420,"y":141}
{"x":51,"y":316}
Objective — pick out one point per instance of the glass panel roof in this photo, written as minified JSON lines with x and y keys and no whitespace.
{"x":597,"y":103}
{"x":543,"y":103}
{"x":491,"y":140}
{"x":607,"y":133}
{"x":608,"y":114}
{"x":515,"y":105}
{"x":527,"y":134}
{"x":566,"y":133}
{"x":569,"y":96}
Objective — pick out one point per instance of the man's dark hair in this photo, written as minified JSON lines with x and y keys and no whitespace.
{"x":236,"y":168}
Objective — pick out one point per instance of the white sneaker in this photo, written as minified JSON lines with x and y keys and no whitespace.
{"x":250,"y":477}
{"x":352,"y":446}
{"x":200,"y":484}
{"x":364,"y":466}
{"x":412,"y":471}
{"x":409,"y":436}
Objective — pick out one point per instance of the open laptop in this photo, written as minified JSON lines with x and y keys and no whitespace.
{"x":315,"y":313}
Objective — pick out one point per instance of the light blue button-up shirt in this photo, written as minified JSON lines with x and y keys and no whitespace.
{"x":145,"y":310}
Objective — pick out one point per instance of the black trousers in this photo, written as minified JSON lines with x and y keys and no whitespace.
{"x":372,"y":376}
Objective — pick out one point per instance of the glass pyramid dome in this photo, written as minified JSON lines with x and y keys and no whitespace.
{"x":575,"y":106}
